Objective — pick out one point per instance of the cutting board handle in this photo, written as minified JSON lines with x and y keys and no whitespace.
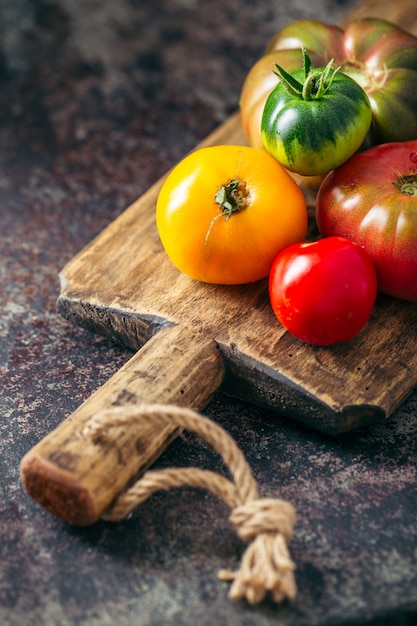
{"x":77,"y":480}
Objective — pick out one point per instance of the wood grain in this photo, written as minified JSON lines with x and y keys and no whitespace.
{"x":76,"y":479}
{"x":192,"y":339}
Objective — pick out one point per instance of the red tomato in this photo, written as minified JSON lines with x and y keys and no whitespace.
{"x":372,"y":200}
{"x":323,"y":292}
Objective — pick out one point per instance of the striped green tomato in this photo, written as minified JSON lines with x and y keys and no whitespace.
{"x":315,"y":119}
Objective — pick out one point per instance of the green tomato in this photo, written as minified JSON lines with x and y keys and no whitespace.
{"x":379,"y":55}
{"x":315,"y":119}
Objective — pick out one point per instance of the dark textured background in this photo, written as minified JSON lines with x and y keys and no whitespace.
{"x":97,"y":100}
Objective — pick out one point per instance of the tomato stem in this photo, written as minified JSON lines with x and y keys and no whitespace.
{"x":316,"y":81}
{"x":407,"y":184}
{"x":231,"y":198}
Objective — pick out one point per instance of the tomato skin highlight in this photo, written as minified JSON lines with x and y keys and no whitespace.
{"x":211,"y":247}
{"x":323,"y":292}
{"x":363,"y":200}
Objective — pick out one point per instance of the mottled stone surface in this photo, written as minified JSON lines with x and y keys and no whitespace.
{"x":97,"y":100}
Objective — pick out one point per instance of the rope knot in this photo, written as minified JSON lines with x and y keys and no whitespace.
{"x":266,"y":515}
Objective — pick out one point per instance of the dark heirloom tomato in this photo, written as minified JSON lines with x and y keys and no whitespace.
{"x":314,"y":119}
{"x":379,"y":55}
{"x":372,"y":200}
{"x":323,"y":292}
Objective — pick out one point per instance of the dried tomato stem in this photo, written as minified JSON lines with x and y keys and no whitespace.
{"x":407,"y":184}
{"x":232,"y":197}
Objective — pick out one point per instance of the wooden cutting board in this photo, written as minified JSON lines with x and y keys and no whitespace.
{"x":192,"y":339}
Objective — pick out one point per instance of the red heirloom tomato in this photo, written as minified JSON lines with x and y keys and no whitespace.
{"x":323,"y":292}
{"x":372,"y":200}
{"x":379,"y":55}
{"x":224,"y":213}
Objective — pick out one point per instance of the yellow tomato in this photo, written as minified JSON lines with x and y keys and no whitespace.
{"x":224,"y":213}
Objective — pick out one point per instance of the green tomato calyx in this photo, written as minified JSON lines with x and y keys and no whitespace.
{"x":316,"y":81}
{"x":231,"y":198}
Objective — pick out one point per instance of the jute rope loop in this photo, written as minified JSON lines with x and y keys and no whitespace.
{"x":265,"y":523}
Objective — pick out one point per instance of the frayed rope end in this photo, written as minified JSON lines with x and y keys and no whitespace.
{"x":266,"y":565}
